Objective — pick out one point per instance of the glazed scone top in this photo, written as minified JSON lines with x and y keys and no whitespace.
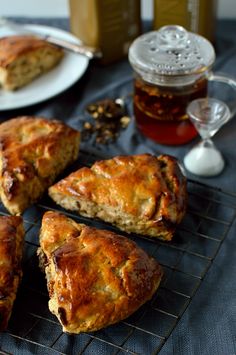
{"x":95,"y":277}
{"x":11,"y":249}
{"x":140,"y":185}
{"x":33,"y":151}
{"x":29,"y":141}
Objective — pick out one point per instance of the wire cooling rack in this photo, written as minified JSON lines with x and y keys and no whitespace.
{"x":186,"y":260}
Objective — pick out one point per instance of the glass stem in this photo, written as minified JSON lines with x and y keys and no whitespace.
{"x":207,"y":143}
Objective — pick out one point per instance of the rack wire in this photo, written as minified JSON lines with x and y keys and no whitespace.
{"x":186,"y":260}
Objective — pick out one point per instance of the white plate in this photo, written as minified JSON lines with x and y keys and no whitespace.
{"x":64,"y":75}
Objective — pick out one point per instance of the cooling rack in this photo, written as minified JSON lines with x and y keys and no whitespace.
{"x":186,"y":260}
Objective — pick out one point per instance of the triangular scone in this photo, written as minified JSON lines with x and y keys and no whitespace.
{"x":23,"y":58}
{"x":33,"y":151}
{"x":95,"y":277}
{"x":11,"y":249}
{"x":143,"y":194}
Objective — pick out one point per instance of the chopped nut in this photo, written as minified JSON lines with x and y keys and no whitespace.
{"x":87,"y":125}
{"x":100,"y":109}
{"x":91,"y":108}
{"x":125,"y":120}
{"x":109,"y":115}
{"x":95,"y":115}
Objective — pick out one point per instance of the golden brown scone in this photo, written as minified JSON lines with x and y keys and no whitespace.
{"x":23,"y":58}
{"x":95,"y":277}
{"x":11,"y":249}
{"x":143,"y":194}
{"x":33,"y":151}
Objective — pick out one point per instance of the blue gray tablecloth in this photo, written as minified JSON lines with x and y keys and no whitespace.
{"x":209,"y":324}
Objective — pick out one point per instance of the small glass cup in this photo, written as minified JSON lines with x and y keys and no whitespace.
{"x":172,"y":68}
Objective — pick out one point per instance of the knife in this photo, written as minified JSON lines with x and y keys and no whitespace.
{"x":89,"y":52}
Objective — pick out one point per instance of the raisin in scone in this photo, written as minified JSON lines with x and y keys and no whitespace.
{"x":143,"y":194}
{"x":94,"y":277}
{"x":23,"y":58}
{"x":33,"y":151}
{"x":11,"y":249}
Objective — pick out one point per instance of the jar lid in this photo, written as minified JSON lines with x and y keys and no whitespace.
{"x":171,"y":51}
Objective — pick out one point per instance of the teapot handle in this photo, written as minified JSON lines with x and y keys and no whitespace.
{"x":224,"y":79}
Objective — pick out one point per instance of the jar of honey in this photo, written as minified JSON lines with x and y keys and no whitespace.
{"x":172,"y":67}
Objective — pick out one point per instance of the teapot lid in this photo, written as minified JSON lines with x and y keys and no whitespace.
{"x":170,"y":51}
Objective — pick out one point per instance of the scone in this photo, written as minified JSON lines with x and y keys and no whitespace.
{"x":23,"y":58}
{"x":94,"y":277}
{"x":143,"y":194}
{"x":11,"y":249}
{"x":33,"y":151}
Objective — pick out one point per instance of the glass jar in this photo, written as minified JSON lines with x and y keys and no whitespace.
{"x":172,"y":67}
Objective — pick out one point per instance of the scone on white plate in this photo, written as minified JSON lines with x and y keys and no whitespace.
{"x":23,"y":58}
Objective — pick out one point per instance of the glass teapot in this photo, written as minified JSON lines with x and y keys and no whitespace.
{"x":172,"y":68}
